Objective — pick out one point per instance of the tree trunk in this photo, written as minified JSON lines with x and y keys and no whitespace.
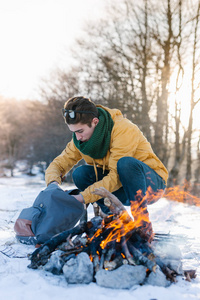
{"x":192,"y":100}
{"x":161,"y":126}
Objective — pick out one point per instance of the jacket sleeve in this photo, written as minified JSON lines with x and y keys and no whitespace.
{"x":124,"y":142}
{"x":62,"y":163}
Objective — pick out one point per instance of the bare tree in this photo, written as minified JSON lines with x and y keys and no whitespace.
{"x":163,"y":35}
{"x":116,"y":62}
{"x":195,"y":87}
{"x":11,"y":131}
{"x":196,"y":185}
{"x":180,"y":146}
{"x":126,"y":61}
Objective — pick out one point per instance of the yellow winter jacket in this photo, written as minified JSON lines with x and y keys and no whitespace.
{"x":126,"y":140}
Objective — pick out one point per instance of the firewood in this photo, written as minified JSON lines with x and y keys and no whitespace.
{"x":40,"y":255}
{"x":115,"y":263}
{"x":96,"y":209}
{"x":190,"y":274}
{"x":94,"y":250}
{"x":170,"y":274}
{"x":111,"y":251}
{"x":102,"y":259}
{"x":93,"y":225}
{"x":165,"y":237}
{"x":96,"y":263}
{"x":75,"y":250}
{"x":124,"y":246}
{"x":80,"y":240}
{"x":114,"y":205}
{"x":140,"y":259}
{"x":66,"y":245}
{"x":109,"y":204}
{"x":126,"y":252}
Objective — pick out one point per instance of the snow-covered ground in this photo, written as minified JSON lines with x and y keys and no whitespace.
{"x":17,"y":282}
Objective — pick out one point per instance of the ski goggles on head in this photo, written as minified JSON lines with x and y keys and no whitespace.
{"x":72,"y":113}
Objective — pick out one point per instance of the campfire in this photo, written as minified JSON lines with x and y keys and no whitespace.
{"x":111,"y":246}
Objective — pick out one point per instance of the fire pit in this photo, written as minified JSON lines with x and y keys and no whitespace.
{"x":111,"y":251}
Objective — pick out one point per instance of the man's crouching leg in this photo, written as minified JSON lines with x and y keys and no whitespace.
{"x":132,"y":174}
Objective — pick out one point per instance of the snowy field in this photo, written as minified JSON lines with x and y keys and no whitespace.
{"x":17,"y":282}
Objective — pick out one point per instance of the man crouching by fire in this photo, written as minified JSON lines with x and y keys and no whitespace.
{"x":118,"y":157}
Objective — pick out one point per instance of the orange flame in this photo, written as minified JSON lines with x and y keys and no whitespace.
{"x":123,"y":224}
{"x":119,"y":228}
{"x":182,"y":193}
{"x":179,"y":193}
{"x":91,"y":258}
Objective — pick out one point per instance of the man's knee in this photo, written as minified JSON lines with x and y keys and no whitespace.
{"x":126,"y":163}
{"x":83,"y":176}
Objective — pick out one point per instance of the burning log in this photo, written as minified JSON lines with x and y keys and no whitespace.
{"x":141,"y":222}
{"x":140,"y":259}
{"x":126,"y":252}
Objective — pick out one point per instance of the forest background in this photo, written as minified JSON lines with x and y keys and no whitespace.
{"x":142,"y":57}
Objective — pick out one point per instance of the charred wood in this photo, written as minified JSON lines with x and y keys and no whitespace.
{"x":115,"y":263}
{"x":126,"y":252}
{"x":93,"y":225}
{"x":170,"y":274}
{"x":110,"y":252}
{"x":40,"y":255}
{"x":190,"y":274}
{"x":75,"y":250}
{"x":140,"y":259}
{"x":102,"y":259}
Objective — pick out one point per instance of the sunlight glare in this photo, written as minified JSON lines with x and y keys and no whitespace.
{"x":183,"y":98}
{"x":36,"y":37}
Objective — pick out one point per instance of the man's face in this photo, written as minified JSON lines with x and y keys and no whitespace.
{"x":83,"y":131}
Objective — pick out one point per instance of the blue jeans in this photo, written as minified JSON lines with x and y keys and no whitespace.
{"x":133,"y":174}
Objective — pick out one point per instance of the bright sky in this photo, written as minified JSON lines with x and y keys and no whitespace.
{"x":35,"y":37}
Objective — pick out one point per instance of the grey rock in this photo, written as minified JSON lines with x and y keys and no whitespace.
{"x":55,"y":263}
{"x":125,"y":277}
{"x":157,"y":279}
{"x":79,"y":270}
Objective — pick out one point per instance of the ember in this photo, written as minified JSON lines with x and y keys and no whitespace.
{"x":111,"y":242}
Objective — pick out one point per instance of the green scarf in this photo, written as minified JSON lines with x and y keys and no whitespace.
{"x":99,"y":143}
